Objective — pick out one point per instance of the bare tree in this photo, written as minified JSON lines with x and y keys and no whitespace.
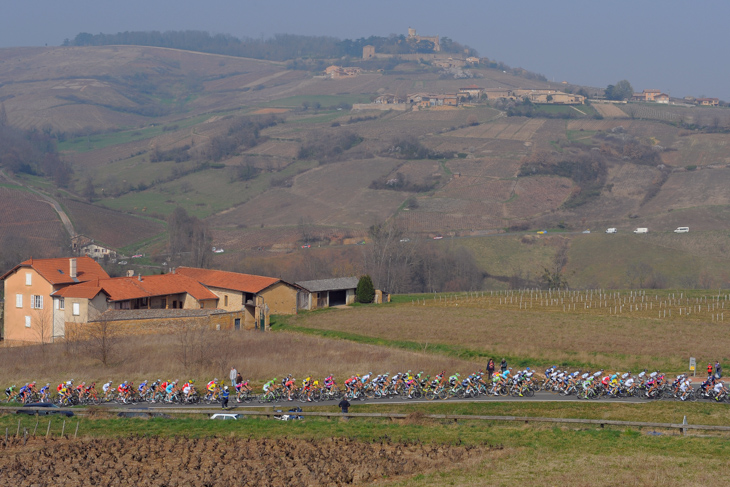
{"x":102,"y":335}
{"x":42,"y":326}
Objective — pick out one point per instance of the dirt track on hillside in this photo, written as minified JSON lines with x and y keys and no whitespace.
{"x":214,"y":461}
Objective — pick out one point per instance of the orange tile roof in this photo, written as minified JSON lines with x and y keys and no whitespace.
{"x":125,"y":288}
{"x":78,"y":291}
{"x":246,"y":283}
{"x":56,"y":271}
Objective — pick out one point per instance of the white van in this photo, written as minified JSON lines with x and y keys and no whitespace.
{"x":641,"y":230}
{"x":611,"y":230}
{"x":682,"y":230}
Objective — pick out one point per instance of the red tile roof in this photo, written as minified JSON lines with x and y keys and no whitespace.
{"x":246,"y":283}
{"x":56,"y":271}
{"x":79,"y":291}
{"x":126,"y":288}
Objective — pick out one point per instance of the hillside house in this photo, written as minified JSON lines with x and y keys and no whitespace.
{"x":338,"y":72}
{"x":368,"y":52}
{"x":324,"y":293}
{"x":31,"y":314}
{"x":550,"y":97}
{"x":473,"y":92}
{"x":708,"y":102}
{"x":649,"y":96}
{"x":433,"y":100}
{"x":389,"y":99}
{"x":256,"y":296}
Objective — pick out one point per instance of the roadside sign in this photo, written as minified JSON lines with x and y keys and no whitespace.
{"x":692,"y":364}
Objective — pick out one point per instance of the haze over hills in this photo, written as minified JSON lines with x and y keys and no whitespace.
{"x":272,"y":158}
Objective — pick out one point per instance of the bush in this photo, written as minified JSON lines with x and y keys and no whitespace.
{"x":365,"y":292}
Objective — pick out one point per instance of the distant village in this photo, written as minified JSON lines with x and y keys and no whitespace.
{"x":473,"y":93}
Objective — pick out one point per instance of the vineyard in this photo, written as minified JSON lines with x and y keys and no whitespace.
{"x":214,"y":461}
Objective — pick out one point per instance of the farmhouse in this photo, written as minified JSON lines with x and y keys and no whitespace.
{"x":708,"y":102}
{"x":30,"y":314}
{"x":433,"y":100}
{"x":555,"y":97}
{"x":324,"y":293}
{"x":338,"y":72}
{"x":651,"y":96}
{"x":52,"y":294}
{"x":472,"y":91}
{"x":256,"y":296}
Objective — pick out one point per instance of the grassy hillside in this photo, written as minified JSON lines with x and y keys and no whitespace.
{"x":174,"y":128}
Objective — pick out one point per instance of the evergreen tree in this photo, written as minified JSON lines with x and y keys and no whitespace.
{"x":365,"y":292}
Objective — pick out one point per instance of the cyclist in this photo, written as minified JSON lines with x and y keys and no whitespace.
{"x":212,"y":388}
{"x":142,"y":389}
{"x":44,"y":392}
{"x":24,"y":392}
{"x":9,"y":392}
{"x":720,"y":390}
{"x":307,"y":388}
{"x":108,"y":389}
{"x":289,"y":383}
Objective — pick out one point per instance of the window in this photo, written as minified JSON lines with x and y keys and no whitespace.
{"x":76,"y":309}
{"x":28,"y":278}
{"x":36,"y":302}
{"x":61,"y":303}
{"x":225,"y":300}
{"x":27,"y":321}
{"x":18,"y":300}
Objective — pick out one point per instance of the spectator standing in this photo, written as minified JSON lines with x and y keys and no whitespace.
{"x":344,"y":405}
{"x":233,"y":375}
{"x":239,"y":379}
{"x":503,"y":365}
{"x":718,"y":370}
{"x":490,"y":367}
{"x":224,"y":397}
{"x":709,"y":369}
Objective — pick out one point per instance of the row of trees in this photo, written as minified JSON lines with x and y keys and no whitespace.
{"x":280,"y":47}
{"x":31,"y":152}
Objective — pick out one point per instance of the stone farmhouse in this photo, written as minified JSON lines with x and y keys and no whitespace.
{"x":708,"y":102}
{"x":655,"y":96}
{"x":338,"y":72}
{"x":553,"y":97}
{"x":50,"y":295}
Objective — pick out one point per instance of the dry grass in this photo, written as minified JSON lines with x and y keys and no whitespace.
{"x":258,"y":356}
{"x":595,"y":336}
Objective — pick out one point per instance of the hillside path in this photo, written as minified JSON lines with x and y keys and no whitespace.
{"x":54,"y":204}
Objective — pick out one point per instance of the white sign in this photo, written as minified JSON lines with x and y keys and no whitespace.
{"x":692,"y":363}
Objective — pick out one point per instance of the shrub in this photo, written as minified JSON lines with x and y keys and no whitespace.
{"x":365,"y":292}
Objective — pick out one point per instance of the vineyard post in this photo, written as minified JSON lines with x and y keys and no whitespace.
{"x":36,"y":427}
{"x":63,"y":428}
{"x":48,"y":430}
{"x":17,"y":433}
{"x":77,"y":430}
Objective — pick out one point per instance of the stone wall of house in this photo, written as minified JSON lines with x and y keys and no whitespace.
{"x":217,"y":321}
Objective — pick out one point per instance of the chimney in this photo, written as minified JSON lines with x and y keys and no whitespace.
{"x":72,"y":267}
{"x":139,"y":277}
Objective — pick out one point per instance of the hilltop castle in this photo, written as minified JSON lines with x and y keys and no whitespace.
{"x":435,"y":39}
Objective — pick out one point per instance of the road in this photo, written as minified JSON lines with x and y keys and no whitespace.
{"x":540,"y":396}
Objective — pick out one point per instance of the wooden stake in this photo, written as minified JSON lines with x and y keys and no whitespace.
{"x":48,"y":430}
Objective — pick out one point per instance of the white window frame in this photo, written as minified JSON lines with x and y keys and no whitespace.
{"x":28,"y":279}
{"x":18,"y":300}
{"x":76,"y":307}
{"x":61,"y":303}
{"x":36,"y":301}
{"x":27,"y":321}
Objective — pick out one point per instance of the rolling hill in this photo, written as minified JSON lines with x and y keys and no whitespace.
{"x":270,"y":156}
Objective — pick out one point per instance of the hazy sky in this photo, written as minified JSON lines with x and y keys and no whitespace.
{"x":676,"y":46}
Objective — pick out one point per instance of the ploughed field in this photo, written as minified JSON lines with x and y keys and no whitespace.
{"x":214,"y":461}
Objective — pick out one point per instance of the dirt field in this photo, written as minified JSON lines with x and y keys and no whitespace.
{"x":609,"y":110}
{"x":213,"y":461}
{"x":30,"y":221}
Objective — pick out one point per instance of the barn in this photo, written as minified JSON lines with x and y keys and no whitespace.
{"x":324,"y":293}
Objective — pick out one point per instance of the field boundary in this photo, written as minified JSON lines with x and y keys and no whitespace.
{"x":447,"y":417}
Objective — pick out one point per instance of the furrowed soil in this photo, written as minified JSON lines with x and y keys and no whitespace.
{"x":214,"y":461}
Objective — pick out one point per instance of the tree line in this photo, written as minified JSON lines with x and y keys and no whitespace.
{"x":280,"y":47}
